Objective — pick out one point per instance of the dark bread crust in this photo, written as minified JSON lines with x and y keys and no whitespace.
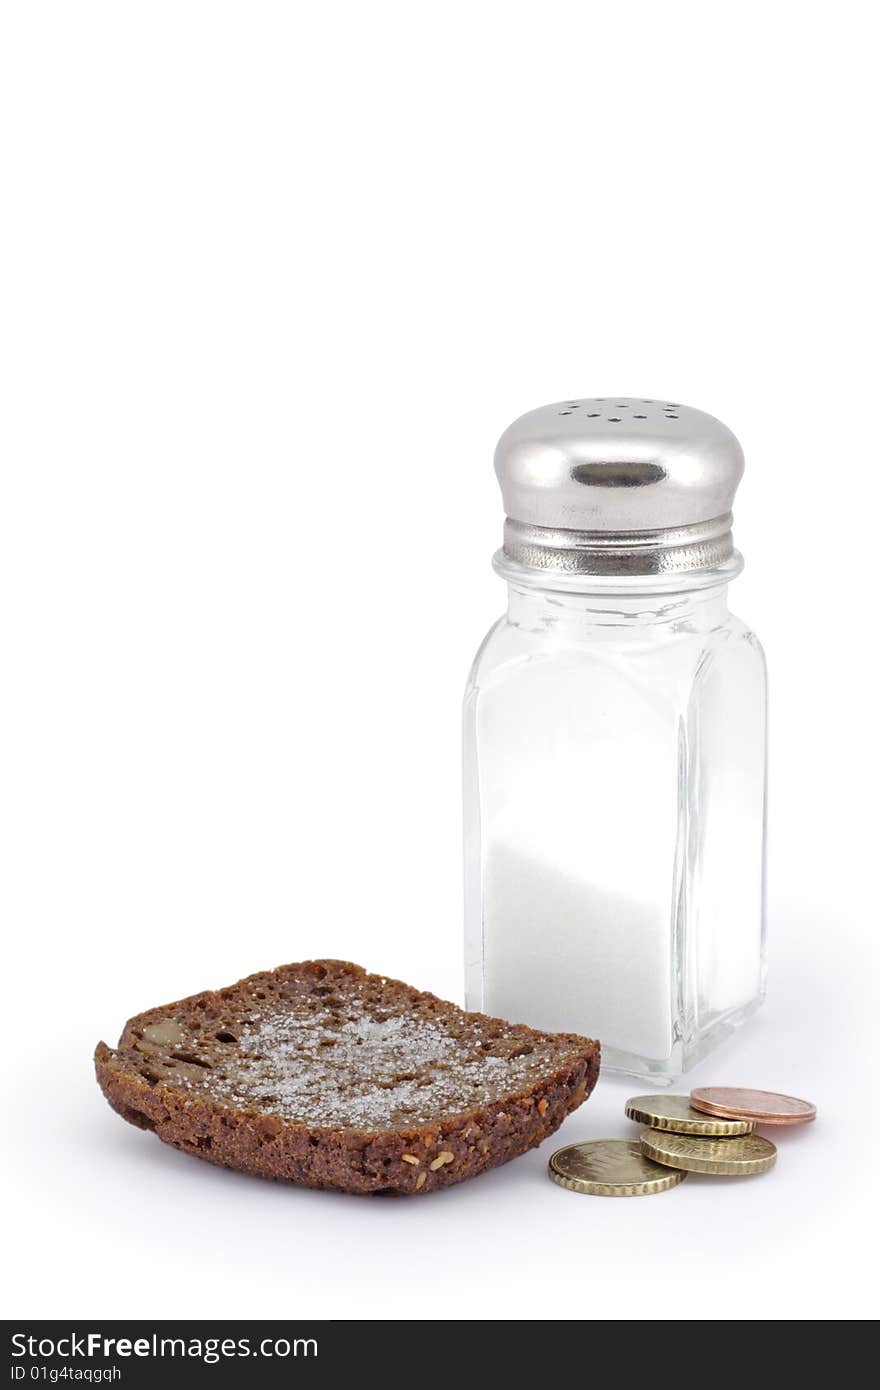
{"x":358,"y":1160}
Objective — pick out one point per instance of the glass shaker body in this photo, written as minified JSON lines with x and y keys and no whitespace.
{"x":615,"y":756}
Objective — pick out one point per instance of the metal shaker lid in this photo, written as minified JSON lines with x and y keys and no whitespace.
{"x":618,"y":485}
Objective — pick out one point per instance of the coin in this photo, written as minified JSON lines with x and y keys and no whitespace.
{"x":675,"y":1113}
{"x":611,"y":1168}
{"x":764,"y":1107}
{"x":736,"y":1157}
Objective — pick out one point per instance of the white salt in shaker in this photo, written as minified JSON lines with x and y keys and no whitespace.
{"x":615,"y":733}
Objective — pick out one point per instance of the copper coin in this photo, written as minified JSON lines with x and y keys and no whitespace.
{"x":764,"y":1107}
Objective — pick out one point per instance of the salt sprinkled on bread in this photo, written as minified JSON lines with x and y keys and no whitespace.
{"x":321,"y":1074}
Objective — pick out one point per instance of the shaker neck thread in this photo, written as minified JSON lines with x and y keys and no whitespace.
{"x":699,"y":609}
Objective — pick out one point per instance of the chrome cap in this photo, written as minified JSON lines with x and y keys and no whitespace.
{"x":618,"y":485}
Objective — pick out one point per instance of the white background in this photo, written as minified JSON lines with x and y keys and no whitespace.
{"x":275,"y":277}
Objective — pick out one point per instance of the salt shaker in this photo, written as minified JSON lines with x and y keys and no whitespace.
{"x":615,"y":741}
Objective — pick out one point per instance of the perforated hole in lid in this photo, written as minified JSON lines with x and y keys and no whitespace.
{"x":614,"y":412}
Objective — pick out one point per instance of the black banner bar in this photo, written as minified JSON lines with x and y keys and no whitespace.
{"x":137,"y":1353}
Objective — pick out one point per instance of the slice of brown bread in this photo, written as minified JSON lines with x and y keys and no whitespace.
{"x":321,"y":1074}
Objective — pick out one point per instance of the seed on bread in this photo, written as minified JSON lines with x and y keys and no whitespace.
{"x":167,"y":1030}
{"x":441,"y":1159}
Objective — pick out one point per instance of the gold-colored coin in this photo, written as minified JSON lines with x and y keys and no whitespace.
{"x":676,"y":1113}
{"x":732,"y":1158}
{"x":611,"y":1168}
